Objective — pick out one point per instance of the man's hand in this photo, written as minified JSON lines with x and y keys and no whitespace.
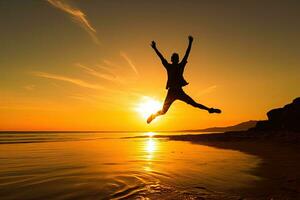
{"x":191,"y":38}
{"x":153,"y":44}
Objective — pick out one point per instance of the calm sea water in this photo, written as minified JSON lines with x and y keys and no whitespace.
{"x":104,"y":166}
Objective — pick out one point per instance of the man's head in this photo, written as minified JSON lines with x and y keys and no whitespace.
{"x":175,"y":58}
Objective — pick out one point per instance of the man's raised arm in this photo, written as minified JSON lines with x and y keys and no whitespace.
{"x":188,"y":49}
{"x":153,"y":45}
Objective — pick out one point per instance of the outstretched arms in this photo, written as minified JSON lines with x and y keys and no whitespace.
{"x":153,"y":45}
{"x":184,"y":60}
{"x":188,"y":49}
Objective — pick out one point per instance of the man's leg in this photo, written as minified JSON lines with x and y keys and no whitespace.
{"x":170,"y":98}
{"x":187,"y":99}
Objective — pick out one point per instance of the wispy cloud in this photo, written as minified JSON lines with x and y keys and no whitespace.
{"x":109,"y":100}
{"x":128,"y":60}
{"x":75,"y":81}
{"x":29,"y":87}
{"x":78,"y":15}
{"x":106,"y":69}
{"x":91,"y":71}
{"x":83,"y":98}
{"x":110,"y":63}
{"x":208,"y":90}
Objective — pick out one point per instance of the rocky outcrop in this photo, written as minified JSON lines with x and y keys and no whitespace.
{"x":286,"y":118}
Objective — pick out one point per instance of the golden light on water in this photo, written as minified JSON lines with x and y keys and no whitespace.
{"x":148,"y":106}
{"x":151,"y":146}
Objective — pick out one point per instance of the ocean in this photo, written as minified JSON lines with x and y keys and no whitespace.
{"x":108,"y":166}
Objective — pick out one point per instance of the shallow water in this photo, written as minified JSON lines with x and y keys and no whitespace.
{"x":103,"y":166}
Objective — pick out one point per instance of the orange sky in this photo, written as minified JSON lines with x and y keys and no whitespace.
{"x":87,"y":65}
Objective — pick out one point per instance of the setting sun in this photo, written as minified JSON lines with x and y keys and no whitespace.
{"x":148,"y":106}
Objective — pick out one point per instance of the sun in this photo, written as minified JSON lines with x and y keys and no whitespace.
{"x":148,"y":106}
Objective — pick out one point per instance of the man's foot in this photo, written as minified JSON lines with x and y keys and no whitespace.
{"x":150,"y":118}
{"x":214,"y":110}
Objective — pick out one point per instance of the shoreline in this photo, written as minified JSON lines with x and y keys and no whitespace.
{"x":280,"y":156}
{"x":279,"y":151}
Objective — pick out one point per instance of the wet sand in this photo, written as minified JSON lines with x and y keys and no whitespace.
{"x":280,"y":167}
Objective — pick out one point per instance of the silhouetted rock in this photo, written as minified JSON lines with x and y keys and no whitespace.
{"x":261,"y":125}
{"x":286,"y":118}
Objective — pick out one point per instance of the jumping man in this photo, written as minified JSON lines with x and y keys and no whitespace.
{"x":176,"y":82}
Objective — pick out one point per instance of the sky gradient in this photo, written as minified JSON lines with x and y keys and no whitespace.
{"x":86,"y":65}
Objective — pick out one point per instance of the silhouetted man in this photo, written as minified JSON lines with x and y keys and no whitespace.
{"x":176,"y":82}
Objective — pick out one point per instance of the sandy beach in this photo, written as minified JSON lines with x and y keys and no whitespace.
{"x":279,"y":168}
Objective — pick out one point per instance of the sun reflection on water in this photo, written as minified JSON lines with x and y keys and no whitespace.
{"x":150,"y":149}
{"x":151,"y":146}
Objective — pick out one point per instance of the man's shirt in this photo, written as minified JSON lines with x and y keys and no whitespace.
{"x":175,"y":74}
